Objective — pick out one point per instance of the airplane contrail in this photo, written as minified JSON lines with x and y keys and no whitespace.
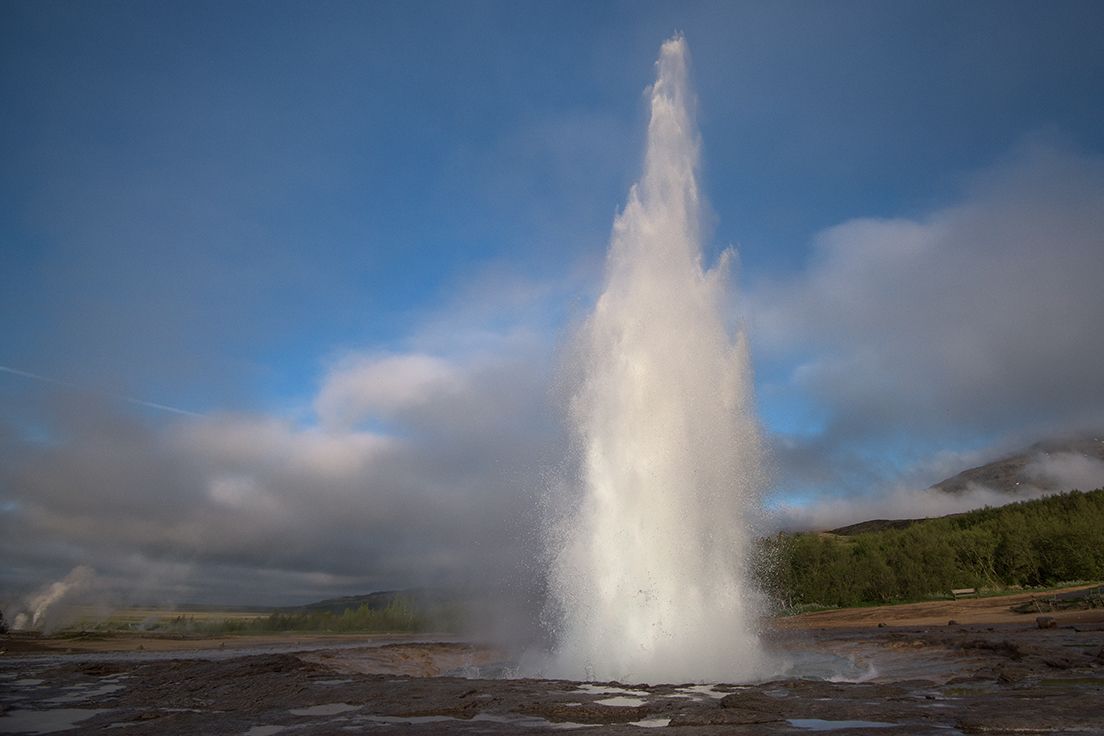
{"x":120,"y":397}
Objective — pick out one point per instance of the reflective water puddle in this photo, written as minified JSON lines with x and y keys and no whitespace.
{"x":622,"y":701}
{"x":264,"y":730}
{"x":652,"y":723}
{"x":819,"y":724}
{"x":46,"y":721}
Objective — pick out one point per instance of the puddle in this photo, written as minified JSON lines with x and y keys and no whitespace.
{"x":818,"y":724}
{"x":327,"y":709}
{"x":330,"y":682}
{"x":701,"y":691}
{"x":622,"y":701}
{"x":652,"y":723}
{"x":602,"y":690}
{"x":410,"y":719}
{"x":46,"y":721}
{"x":511,"y":720}
{"x":26,"y":682}
{"x":264,"y":730}
{"x":527,"y":721}
{"x":85,"y":692}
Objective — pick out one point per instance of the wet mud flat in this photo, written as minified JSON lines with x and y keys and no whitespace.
{"x":1000,"y":679}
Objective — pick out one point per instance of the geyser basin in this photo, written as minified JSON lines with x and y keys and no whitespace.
{"x":649,"y":576}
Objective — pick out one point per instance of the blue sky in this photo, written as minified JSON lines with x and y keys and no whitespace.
{"x":230,"y":208}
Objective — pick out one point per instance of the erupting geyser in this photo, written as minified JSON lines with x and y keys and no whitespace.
{"x":649,"y":579}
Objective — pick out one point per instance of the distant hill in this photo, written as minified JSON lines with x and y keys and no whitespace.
{"x":419,"y":598}
{"x":1008,"y":474}
{"x":874,"y":525}
{"x":378,"y":600}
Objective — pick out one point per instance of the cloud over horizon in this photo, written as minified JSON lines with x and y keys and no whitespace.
{"x":426,"y":465}
{"x":903,"y":337}
{"x":412,"y":469}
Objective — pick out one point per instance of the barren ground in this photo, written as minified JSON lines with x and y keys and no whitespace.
{"x":993,"y":672}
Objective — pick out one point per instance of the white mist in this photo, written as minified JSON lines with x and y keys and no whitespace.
{"x":649,"y":579}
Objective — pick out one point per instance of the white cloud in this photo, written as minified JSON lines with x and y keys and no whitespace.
{"x":900,"y":503}
{"x":983,"y":315}
{"x":443,"y":498}
{"x":240,"y":441}
{"x":361,"y":388}
{"x":976,"y":324}
{"x":1044,"y":473}
{"x":1066,"y":470}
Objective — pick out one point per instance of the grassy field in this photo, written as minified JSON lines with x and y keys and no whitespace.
{"x":986,"y":609}
{"x":399,"y":616}
{"x":136,"y":617}
{"x":1041,"y":591}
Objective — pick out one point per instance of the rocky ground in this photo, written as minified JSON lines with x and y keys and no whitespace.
{"x":999,"y":678}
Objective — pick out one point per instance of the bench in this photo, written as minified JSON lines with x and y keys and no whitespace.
{"x":964,"y":593}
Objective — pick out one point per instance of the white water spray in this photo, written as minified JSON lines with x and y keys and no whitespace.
{"x":649,"y":576}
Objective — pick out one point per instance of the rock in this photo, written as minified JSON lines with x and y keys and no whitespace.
{"x":1046,"y":622}
{"x":952,"y":622}
{"x":1008,"y":675}
{"x":1004,"y":646}
{"x":749,"y":700}
{"x":881,"y":625}
{"x":723,"y":717}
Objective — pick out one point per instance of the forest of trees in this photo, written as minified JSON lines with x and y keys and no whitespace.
{"x":1032,"y":543}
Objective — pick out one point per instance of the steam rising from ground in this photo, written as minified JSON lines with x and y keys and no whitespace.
{"x":48,"y":608}
{"x":649,"y":579}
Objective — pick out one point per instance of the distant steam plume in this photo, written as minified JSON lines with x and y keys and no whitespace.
{"x":47,"y":609}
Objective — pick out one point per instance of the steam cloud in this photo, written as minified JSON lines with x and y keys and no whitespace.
{"x":51,"y":607}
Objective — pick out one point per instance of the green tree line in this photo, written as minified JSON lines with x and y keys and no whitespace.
{"x":1031,"y":543}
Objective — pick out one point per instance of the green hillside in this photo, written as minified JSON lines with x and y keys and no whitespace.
{"x":1031,"y":543}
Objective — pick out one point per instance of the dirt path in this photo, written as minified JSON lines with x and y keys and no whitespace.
{"x":995,"y":610}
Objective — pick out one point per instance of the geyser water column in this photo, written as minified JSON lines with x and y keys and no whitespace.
{"x":649,"y":580}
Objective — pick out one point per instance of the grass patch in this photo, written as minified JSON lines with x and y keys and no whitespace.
{"x":399,"y":616}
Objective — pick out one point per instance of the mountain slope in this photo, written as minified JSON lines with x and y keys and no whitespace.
{"x":1051,"y":466}
{"x":1029,"y":468}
